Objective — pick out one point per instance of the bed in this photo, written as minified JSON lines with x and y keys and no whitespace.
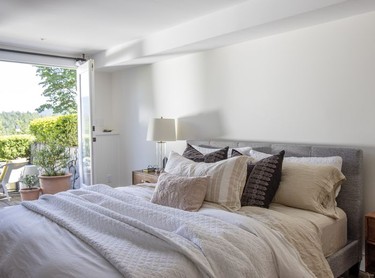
{"x":350,"y":199}
{"x":104,"y":232}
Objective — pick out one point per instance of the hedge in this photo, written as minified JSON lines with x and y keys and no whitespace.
{"x":15,"y":146}
{"x":59,"y":129}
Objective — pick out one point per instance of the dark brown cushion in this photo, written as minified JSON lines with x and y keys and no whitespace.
{"x":195,"y":155}
{"x":263,"y":181}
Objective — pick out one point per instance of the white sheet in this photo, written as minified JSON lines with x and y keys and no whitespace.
{"x":55,"y":250}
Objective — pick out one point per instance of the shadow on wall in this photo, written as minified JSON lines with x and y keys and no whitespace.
{"x":201,"y":126}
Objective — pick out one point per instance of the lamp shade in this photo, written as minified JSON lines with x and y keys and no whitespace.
{"x":161,"y":130}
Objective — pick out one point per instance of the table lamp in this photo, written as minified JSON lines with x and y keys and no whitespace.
{"x":161,"y":130}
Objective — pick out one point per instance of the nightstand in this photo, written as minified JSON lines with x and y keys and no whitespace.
{"x":370,"y":242}
{"x":139,"y":176}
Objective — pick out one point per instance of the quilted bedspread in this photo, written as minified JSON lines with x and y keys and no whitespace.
{"x":139,"y":239}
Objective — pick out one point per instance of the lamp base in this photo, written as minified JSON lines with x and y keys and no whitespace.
{"x":160,"y":155}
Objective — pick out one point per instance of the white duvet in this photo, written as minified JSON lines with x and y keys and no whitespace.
{"x":102,"y":232}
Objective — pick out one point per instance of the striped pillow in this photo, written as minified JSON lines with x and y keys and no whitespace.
{"x":227,"y":177}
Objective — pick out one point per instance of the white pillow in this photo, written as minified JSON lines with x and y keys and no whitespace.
{"x":243,"y":150}
{"x":206,"y":150}
{"x":335,"y":161}
{"x":227,"y":177}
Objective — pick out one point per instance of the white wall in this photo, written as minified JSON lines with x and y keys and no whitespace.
{"x":313,"y":85}
{"x":133,"y":104}
{"x":104,"y":114}
{"x":106,"y":153}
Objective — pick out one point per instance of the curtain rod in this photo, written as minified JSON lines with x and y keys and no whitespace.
{"x":43,"y":54}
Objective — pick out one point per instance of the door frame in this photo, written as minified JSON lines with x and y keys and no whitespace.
{"x":85,"y":77}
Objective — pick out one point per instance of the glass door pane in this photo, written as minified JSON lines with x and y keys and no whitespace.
{"x":85,"y":74}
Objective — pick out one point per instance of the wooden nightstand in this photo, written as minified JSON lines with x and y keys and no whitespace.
{"x":370,"y":242}
{"x":139,"y":176}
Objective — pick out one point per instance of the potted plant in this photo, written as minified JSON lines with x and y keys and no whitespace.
{"x":52,"y":160}
{"x":31,"y":191}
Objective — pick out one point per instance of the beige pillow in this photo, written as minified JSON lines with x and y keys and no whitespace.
{"x":186,"y":193}
{"x":310,"y":187}
{"x":227,"y":177}
{"x":314,"y":160}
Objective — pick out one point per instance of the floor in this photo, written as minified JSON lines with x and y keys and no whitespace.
{"x":14,"y":200}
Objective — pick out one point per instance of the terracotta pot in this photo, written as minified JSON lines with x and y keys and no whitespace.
{"x":29,"y":194}
{"x":55,"y":184}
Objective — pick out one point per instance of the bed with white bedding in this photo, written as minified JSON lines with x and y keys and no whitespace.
{"x":349,"y":199}
{"x":103,"y":232}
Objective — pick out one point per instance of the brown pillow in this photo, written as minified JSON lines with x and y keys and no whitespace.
{"x":195,"y":155}
{"x":186,"y":193}
{"x":263,"y":179}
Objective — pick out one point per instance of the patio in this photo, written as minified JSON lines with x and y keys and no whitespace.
{"x":14,"y":200}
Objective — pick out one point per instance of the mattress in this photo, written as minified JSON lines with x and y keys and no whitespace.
{"x":333,"y":232}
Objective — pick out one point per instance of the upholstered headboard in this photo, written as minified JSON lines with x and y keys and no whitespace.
{"x":350,"y":198}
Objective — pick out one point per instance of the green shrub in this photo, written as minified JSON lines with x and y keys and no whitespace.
{"x":15,"y":146}
{"x":61,"y":130}
{"x":51,"y":159}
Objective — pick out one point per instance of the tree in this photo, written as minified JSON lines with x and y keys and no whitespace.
{"x":2,"y":129}
{"x":60,"y":89}
{"x":16,"y":122}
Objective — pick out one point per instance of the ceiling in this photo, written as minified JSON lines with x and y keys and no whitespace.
{"x":137,"y":31}
{"x":89,"y":26}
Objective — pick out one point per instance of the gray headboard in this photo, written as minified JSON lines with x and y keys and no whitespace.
{"x":350,"y":198}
